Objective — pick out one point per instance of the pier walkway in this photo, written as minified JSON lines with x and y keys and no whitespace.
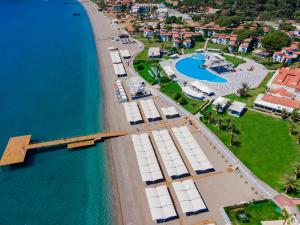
{"x":17,"y":147}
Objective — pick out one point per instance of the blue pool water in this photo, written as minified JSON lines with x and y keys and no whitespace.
{"x":191,"y":67}
{"x":49,"y":88}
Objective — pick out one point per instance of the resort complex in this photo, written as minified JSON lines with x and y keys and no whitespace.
{"x":200,"y":115}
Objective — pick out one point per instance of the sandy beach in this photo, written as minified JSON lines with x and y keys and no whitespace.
{"x":221,"y":188}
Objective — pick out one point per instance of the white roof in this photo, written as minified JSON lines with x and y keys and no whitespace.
{"x":115,"y":57}
{"x":237,"y":106}
{"x":191,"y":92}
{"x":160,"y":203}
{"x":112,"y":48}
{"x":170,"y":111}
{"x":119,"y":69}
{"x":261,"y":102}
{"x":147,"y":161}
{"x":125,"y":53}
{"x":132,"y":112}
{"x":154,"y":52}
{"x":189,"y":197}
{"x":221,"y":101}
{"x":172,"y":160}
{"x":150,"y":109}
{"x":169,"y":71}
{"x":192,"y":150}
{"x":201,"y":87}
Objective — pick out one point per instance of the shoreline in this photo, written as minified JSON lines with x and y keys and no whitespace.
{"x":129,"y":203}
{"x":117,"y":215}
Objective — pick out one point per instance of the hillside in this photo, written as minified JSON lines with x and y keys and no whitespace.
{"x":250,"y":9}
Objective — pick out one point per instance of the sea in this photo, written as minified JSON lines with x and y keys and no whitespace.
{"x":50,"y":88}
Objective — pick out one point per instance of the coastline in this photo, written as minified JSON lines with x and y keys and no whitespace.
{"x":115,"y":204}
{"x":130,"y":203}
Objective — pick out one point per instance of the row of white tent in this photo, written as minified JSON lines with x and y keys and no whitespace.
{"x":125,"y":54}
{"x":192,"y":150}
{"x":117,"y":63}
{"x":150,"y":110}
{"x":147,"y":161}
{"x":189,"y":197}
{"x":122,"y":97}
{"x":161,"y":205}
{"x":119,"y":70}
{"x":115,"y":57}
{"x":170,"y":112}
{"x":171,"y":158}
{"x":133,"y":113}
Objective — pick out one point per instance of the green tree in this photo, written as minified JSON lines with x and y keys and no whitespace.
{"x":287,"y":26}
{"x":296,"y":167}
{"x":295,"y":115}
{"x":289,"y":183}
{"x":275,"y":40}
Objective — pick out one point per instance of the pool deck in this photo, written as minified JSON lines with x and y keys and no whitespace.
{"x":234,"y":79}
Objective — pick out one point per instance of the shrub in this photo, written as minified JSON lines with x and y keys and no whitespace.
{"x":164,"y":79}
{"x":176,"y":96}
{"x":182,"y":101}
{"x":140,"y":67}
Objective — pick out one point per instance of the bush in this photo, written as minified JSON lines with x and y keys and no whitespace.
{"x":182,"y":101}
{"x":164,"y":79}
{"x":176,"y":96}
{"x":140,"y":67}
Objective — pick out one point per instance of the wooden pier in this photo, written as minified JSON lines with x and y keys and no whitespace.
{"x":17,"y":147}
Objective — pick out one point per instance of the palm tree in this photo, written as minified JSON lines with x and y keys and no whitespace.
{"x":287,"y":217}
{"x":289,"y":183}
{"x":298,"y":139}
{"x":292,"y":129}
{"x":233,"y":137}
{"x":296,"y":167}
{"x":227,"y":123}
{"x":209,"y":116}
{"x":284,"y":114}
{"x":218,"y":107}
{"x":295,"y":115}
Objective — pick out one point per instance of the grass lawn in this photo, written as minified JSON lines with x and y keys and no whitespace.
{"x":169,"y":88}
{"x":197,"y":46}
{"x":268,"y":63}
{"x":266,"y":147}
{"x":148,"y":43}
{"x":253,"y":92}
{"x":217,"y":46}
{"x":146,"y":65}
{"x":235,"y":61}
{"x":256,"y":212}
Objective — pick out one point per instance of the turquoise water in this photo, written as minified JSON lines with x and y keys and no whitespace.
{"x":191,"y":67}
{"x":49,"y":88}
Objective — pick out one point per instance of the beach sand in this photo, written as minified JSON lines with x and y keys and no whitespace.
{"x":130,"y":204}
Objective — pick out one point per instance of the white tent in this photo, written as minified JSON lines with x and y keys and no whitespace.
{"x":160,"y":204}
{"x":172,"y":160}
{"x":192,"y":150}
{"x":189,"y":198}
{"x":150,"y":110}
{"x":125,"y":54}
{"x":132,"y":113}
{"x":115,"y":57}
{"x":147,"y":161}
{"x":201,"y":87}
{"x":170,"y":112}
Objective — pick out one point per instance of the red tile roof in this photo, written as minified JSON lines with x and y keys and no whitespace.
{"x":288,"y":77}
{"x":281,"y":101}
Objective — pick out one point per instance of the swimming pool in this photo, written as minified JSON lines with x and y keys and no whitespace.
{"x":191,"y":67}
